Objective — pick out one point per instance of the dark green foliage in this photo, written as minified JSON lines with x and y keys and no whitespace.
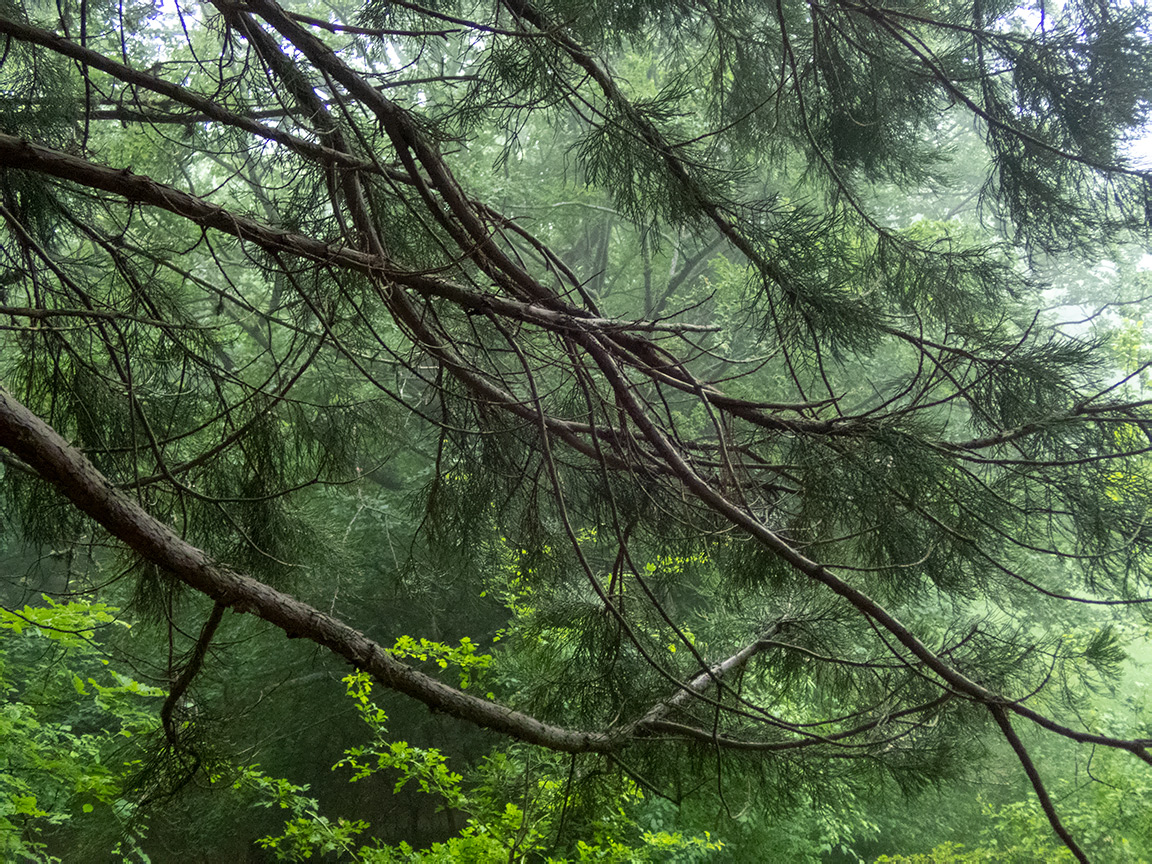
{"x":695,"y":360}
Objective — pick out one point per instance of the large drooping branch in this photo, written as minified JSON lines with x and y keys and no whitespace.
{"x":41,"y":448}
{"x":59,"y":463}
{"x":405,"y":135}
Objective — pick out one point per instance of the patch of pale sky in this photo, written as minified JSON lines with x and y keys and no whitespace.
{"x":1139,"y":151}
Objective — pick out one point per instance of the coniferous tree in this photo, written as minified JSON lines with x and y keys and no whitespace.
{"x":613,"y":297}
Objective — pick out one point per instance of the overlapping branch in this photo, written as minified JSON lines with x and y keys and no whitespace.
{"x":627,"y":371}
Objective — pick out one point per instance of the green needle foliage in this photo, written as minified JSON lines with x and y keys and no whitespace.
{"x":720,"y":404}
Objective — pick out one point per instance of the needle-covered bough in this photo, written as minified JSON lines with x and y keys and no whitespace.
{"x":656,"y":285}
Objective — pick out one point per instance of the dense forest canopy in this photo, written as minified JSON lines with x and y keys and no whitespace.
{"x":682,"y":392}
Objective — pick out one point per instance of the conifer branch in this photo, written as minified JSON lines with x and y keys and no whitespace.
{"x":1037,"y":783}
{"x":403,"y":271}
{"x":190,"y":671}
{"x":41,"y":448}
